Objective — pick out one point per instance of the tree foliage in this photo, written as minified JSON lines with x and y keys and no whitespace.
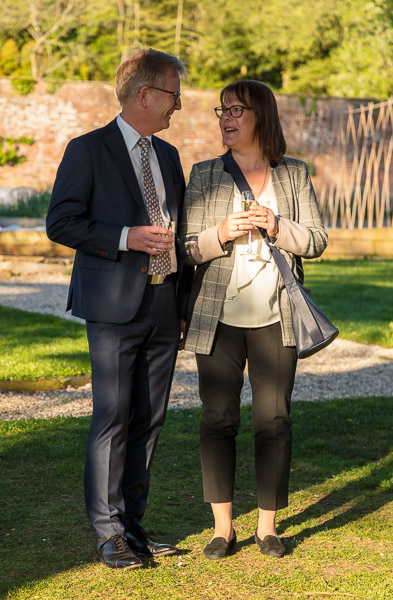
{"x":10,"y":150}
{"x":334,"y":47}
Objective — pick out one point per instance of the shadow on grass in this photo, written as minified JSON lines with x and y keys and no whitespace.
{"x":44,"y":528}
{"x":346,"y":504}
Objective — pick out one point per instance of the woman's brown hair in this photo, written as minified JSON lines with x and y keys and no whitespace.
{"x":261,"y":99}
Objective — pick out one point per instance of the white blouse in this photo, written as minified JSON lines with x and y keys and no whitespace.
{"x":251,"y":296}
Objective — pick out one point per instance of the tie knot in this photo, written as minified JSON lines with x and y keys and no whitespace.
{"x":144,"y":143}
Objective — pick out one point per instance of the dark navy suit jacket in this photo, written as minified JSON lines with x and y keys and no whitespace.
{"x":95,"y":195}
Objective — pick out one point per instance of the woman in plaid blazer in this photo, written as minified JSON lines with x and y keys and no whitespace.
{"x":241,"y":310}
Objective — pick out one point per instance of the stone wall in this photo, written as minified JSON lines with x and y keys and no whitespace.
{"x":52,"y":119}
{"x":343,"y":243}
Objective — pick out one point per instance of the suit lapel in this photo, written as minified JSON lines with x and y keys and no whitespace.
{"x":220,"y":192}
{"x":116,"y":145}
{"x":283,"y":190}
{"x":167,"y":176}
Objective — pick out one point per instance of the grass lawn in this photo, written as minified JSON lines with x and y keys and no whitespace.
{"x":355,"y":294}
{"x":36,"y":346}
{"x":338,"y":526}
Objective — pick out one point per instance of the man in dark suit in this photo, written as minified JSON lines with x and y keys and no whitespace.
{"x":117,"y":193}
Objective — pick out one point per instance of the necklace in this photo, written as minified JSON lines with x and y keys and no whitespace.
{"x":264,"y":181}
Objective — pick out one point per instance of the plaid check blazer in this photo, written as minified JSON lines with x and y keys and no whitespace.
{"x":208,"y":200}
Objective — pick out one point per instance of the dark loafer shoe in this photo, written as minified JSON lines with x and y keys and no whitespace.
{"x":141,"y":543}
{"x":271,"y":545}
{"x":219,"y":547}
{"x":116,"y":554}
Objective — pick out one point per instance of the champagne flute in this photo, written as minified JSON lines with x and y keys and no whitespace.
{"x":171,"y":225}
{"x":248,"y":201}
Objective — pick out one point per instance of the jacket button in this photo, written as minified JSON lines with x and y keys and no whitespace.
{"x":144,"y":269}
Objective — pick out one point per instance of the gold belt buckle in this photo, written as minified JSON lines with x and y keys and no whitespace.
{"x":155,"y":279}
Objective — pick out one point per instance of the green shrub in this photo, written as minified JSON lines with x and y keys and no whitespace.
{"x":9,"y":150}
{"x":53,"y":85}
{"x":36,"y":206}
{"x":9,"y":57}
{"x":23,"y":86}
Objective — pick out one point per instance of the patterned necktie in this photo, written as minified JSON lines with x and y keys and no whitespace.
{"x":160,"y":264}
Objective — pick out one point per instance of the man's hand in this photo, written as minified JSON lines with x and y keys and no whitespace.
{"x":150,"y":239}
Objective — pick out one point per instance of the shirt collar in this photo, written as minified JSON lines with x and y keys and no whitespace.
{"x":130,"y":135}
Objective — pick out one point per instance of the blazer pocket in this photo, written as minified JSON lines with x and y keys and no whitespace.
{"x":87,"y":261}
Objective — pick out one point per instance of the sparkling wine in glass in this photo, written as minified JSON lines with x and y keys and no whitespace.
{"x":248,"y":201}
{"x":171,"y":225}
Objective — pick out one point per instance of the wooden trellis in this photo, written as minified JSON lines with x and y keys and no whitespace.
{"x":350,"y":157}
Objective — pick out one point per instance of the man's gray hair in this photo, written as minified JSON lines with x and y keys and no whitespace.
{"x":145,"y":67}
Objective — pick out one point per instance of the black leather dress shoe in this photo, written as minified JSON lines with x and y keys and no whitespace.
{"x":141,"y":543}
{"x":219,"y":547}
{"x":271,"y":545}
{"x":116,"y":554}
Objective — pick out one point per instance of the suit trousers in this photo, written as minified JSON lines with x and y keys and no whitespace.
{"x":271,"y":370}
{"x":132,"y":369}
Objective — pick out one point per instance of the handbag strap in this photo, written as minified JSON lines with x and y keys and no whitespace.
{"x":233,"y":168}
{"x":296,"y":294}
{"x":291,"y":284}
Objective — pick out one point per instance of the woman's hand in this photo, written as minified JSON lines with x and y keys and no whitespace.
{"x":235,"y":225}
{"x":261,"y":216}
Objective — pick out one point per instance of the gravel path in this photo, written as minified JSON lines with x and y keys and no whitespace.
{"x":344,"y":369}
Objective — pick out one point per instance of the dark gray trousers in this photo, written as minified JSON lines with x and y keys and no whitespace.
{"x":271,"y":370}
{"x":132,"y":369}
